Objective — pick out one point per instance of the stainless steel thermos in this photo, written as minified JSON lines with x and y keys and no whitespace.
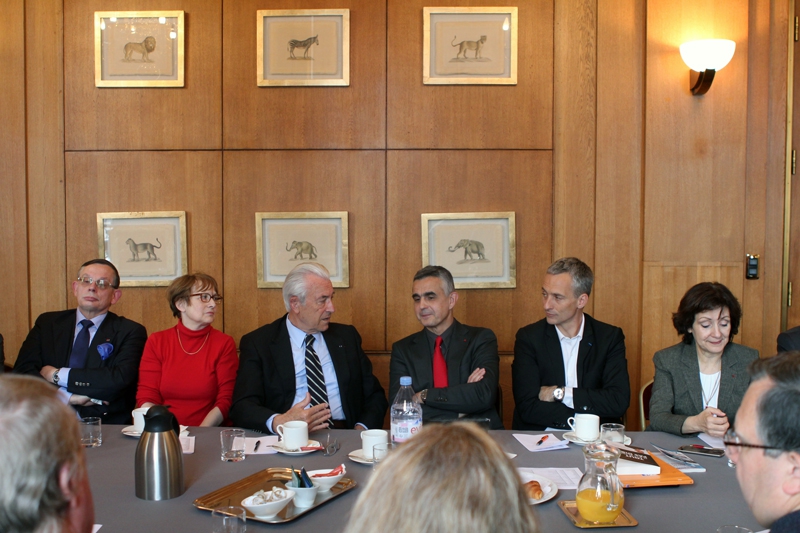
{"x":159,"y":457}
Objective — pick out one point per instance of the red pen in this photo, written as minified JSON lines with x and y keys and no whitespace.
{"x":700,"y":447}
{"x":542,"y":440}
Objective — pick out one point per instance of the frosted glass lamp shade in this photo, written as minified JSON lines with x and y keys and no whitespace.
{"x":707,"y":54}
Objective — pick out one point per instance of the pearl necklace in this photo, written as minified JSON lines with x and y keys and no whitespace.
{"x":198,"y":350}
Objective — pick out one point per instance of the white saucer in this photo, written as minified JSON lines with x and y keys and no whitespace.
{"x":280,"y":449}
{"x":570,"y":436}
{"x":130,"y":431}
{"x":549,"y":487}
{"x":358,"y":457}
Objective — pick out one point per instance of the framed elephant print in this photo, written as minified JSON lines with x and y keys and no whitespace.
{"x":148,"y":248}
{"x":284,"y":240}
{"x":479,"y":249}
{"x":138,"y":48}
{"x":306,"y":47}
{"x":469,"y":46}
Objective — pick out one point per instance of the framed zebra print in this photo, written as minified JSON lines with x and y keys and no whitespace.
{"x":303,"y":47}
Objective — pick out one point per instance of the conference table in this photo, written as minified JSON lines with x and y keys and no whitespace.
{"x":712,"y":501}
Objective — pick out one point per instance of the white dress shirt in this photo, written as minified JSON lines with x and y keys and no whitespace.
{"x":569,"y":351}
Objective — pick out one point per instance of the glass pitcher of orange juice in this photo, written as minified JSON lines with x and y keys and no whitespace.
{"x":599,"y":496}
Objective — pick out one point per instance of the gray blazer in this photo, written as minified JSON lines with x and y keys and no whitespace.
{"x":677,"y":393}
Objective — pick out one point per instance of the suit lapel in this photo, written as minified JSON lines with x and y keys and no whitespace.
{"x":555,"y":357}
{"x":64,"y":336}
{"x":456,"y":349}
{"x":104,"y":334}
{"x":281,"y":353}
{"x":691,"y":374}
{"x":339,"y":358}
{"x":421,"y":364}
{"x":585,"y":348}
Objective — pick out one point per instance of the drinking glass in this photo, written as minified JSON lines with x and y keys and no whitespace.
{"x":612,"y":433}
{"x":733,"y":529}
{"x":229,"y":520}
{"x":232,"y":443}
{"x":380,"y":452}
{"x":91,"y":432}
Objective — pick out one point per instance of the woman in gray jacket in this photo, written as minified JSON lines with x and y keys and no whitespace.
{"x":699,"y":383}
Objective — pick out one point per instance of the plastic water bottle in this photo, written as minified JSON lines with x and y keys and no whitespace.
{"x":406,"y":414}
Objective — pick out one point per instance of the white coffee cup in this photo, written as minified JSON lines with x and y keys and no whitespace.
{"x":138,"y":418}
{"x":586,"y":427}
{"x":294,"y":434}
{"x":370,"y":438}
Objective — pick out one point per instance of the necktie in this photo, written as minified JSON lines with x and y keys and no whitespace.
{"x":77,"y":359}
{"x":314,"y":377}
{"x":439,"y":366}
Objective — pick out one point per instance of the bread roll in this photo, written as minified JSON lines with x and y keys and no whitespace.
{"x":534,"y":490}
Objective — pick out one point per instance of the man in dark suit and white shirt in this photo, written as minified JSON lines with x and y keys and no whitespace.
{"x":90,"y":353}
{"x":305,"y":367}
{"x":453,"y":367}
{"x":568,"y":362}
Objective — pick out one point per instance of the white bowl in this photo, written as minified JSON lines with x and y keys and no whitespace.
{"x":325,"y":483}
{"x":269,"y":509}
{"x":304,"y":497}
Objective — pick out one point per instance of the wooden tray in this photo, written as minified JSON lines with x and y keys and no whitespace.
{"x":570,"y":509}
{"x":234,"y":493}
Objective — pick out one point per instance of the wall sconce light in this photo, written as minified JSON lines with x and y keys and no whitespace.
{"x":705,"y":58}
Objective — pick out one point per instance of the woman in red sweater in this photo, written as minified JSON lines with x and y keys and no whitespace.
{"x":191,"y":367}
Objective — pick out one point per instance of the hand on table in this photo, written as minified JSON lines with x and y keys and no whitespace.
{"x":711,"y":421}
{"x":316,"y":416}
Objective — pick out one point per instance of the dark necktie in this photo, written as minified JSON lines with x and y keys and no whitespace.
{"x":314,"y":377}
{"x":439,"y":366}
{"x":77,"y":359}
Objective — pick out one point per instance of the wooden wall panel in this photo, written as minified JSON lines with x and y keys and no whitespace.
{"x":301,"y":181}
{"x":305,"y":117}
{"x":464,"y":182}
{"x":184,"y":118}
{"x":44,"y":107}
{"x":102,"y":182}
{"x":618,"y":227}
{"x":13,"y":205}
{"x":695,"y":145}
{"x":663,"y":286}
{"x":470,"y":116}
{"x":575,"y":131}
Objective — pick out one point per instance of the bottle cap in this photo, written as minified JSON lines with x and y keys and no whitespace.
{"x":405,"y":381}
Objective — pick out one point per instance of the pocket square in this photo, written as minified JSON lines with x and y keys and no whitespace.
{"x":105,"y":350}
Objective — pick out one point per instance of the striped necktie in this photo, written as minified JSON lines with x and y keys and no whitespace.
{"x":314,"y":377}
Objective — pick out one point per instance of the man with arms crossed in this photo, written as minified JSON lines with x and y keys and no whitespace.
{"x":765,"y":444}
{"x":305,"y":367}
{"x":91,"y":354}
{"x":568,"y":362}
{"x":44,"y":484}
{"x":453,"y":367}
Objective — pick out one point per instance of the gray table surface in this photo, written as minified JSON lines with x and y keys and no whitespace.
{"x":713,"y":500}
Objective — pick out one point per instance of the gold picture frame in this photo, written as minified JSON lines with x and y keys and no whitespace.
{"x":147,"y":247}
{"x":469,"y":46}
{"x":488,"y":242}
{"x":139,"y":48}
{"x":303,"y":47}
{"x":321,"y":237}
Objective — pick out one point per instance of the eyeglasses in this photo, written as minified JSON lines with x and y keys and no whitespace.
{"x":732,"y":442}
{"x":206,"y":297}
{"x":101,"y":283}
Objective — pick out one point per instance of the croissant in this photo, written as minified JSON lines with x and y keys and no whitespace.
{"x":534,"y":490}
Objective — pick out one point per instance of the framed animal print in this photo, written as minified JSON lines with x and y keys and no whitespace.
{"x":303,"y":47}
{"x":138,"y":48}
{"x":469,"y":46}
{"x":148,"y":248}
{"x":479,"y":249}
{"x":284,"y":240}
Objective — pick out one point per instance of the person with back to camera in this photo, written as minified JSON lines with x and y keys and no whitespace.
{"x":448,"y":477}
{"x":699,"y":383}
{"x":192,"y":366}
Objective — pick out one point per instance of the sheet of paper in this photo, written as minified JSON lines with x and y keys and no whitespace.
{"x":551,"y":442}
{"x":96,"y":527}
{"x":264,"y":448}
{"x":714,"y":442}
{"x":565,"y":478}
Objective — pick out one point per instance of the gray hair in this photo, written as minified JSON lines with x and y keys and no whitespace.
{"x":40,"y":435}
{"x":296,"y":285}
{"x":581,"y":274}
{"x":435,"y":271}
{"x":476,"y":487}
{"x":779,"y":405}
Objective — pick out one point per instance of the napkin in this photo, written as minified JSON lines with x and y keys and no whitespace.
{"x":187,"y":444}
{"x":266,"y":446}
{"x":552,"y":442}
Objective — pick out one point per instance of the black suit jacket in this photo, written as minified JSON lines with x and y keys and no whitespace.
{"x":113,"y":380}
{"x":469,"y":348}
{"x":265,"y":383}
{"x":789,"y":340}
{"x":603,"y":385}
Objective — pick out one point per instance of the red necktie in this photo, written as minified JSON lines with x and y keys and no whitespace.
{"x":439,"y":366}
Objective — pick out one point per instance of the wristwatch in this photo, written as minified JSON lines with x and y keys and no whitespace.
{"x":423,"y":395}
{"x":55,"y":377}
{"x":558,"y":394}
